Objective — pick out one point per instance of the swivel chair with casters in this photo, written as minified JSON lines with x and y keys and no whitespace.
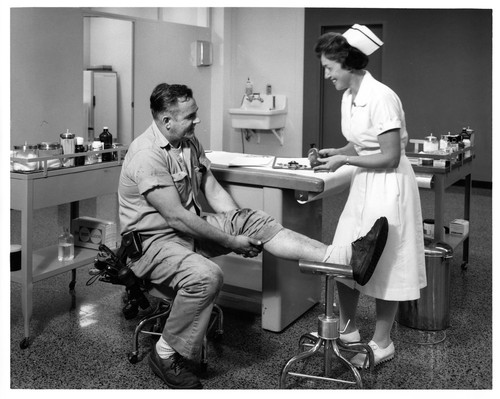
{"x":327,"y":336}
{"x":153,"y":322}
{"x":112,"y":268}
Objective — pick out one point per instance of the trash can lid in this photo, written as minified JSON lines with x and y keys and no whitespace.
{"x":438,"y":250}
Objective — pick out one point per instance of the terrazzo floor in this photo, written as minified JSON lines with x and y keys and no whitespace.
{"x":82,"y":341}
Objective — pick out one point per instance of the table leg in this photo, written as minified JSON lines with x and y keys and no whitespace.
{"x":467,"y":194}
{"x":27,"y":263}
{"x":438,"y":207}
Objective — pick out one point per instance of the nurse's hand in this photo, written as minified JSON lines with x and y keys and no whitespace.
{"x":330,"y":164}
{"x":328,"y":152}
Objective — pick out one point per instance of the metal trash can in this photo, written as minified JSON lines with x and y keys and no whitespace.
{"x":431,"y":312}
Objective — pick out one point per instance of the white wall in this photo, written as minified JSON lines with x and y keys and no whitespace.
{"x":163,"y":54}
{"x":267,"y":45}
{"x":46,"y":80}
{"x":46,"y":74}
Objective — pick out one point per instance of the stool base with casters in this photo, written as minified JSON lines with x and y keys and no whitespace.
{"x":156,"y":320}
{"x":327,"y":337}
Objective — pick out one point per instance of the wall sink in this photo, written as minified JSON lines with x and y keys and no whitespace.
{"x":269,"y":114}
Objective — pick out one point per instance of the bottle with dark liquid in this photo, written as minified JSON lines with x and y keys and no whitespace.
{"x":107,"y":139}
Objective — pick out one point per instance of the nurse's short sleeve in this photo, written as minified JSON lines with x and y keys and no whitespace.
{"x":387,"y":112}
{"x":150,"y":171}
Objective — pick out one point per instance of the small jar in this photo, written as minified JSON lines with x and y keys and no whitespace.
{"x":115,"y":154}
{"x":431,"y":144}
{"x":93,"y":157}
{"x":66,"y":246}
{"x":443,"y":143}
{"x":49,"y":150}
{"x":24,"y":153}
{"x":470,"y":133}
{"x":68,"y":146}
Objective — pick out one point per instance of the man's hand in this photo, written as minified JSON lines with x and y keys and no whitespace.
{"x":246,"y":246}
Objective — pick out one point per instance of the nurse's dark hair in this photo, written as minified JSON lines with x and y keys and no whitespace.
{"x":166,"y":97}
{"x":335,"y":47}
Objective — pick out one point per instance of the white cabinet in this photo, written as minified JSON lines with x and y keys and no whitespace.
{"x":100,"y":99}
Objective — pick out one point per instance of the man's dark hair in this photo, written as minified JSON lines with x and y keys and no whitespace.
{"x":165,"y":97}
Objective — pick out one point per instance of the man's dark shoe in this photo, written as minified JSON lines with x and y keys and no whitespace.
{"x":366,"y":251}
{"x":173,"y":371}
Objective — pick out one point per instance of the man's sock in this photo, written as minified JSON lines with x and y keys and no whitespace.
{"x":163,"y":349}
{"x":339,"y":255}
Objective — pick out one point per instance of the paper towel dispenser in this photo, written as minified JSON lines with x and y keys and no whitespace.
{"x":201,"y":51}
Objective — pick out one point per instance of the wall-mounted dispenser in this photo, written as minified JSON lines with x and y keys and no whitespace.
{"x":201,"y":53}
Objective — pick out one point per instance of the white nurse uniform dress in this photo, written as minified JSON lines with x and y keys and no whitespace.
{"x":393,"y":193}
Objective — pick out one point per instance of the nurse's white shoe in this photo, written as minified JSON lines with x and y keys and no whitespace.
{"x":380,"y":355}
{"x":350,"y":337}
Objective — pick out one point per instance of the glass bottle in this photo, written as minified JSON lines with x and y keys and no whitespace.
{"x":94,"y":157}
{"x":313,"y":155}
{"x":66,"y":246}
{"x":79,"y":147}
{"x":68,"y":146}
{"x":107,"y":139}
{"x":248,"y":88}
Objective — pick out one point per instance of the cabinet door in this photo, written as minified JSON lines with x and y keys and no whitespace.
{"x":106,"y":103}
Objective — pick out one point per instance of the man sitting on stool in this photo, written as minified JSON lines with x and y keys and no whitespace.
{"x":164,"y":171}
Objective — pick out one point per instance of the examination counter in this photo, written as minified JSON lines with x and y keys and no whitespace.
{"x":266,"y":284}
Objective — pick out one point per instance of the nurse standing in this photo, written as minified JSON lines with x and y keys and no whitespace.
{"x":383,"y":183}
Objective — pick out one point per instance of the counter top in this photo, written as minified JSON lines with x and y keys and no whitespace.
{"x":307,"y":184}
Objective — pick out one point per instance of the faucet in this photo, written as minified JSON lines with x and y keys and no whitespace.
{"x":254,"y":96}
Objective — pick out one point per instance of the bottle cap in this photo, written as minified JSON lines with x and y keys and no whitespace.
{"x":48,"y":146}
{"x":25,"y":147}
{"x":79,"y":140}
{"x":67,"y":135}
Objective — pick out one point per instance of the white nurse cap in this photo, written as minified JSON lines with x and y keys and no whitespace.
{"x":363,"y":39}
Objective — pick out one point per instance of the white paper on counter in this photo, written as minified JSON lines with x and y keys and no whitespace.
{"x":224,"y":158}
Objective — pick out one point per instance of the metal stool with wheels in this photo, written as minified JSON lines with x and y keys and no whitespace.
{"x":156,"y":319}
{"x":327,"y":336}
{"x":112,"y":268}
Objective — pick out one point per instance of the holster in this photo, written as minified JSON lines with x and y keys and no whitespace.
{"x":131,"y":246}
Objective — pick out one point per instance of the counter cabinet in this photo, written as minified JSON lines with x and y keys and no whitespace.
{"x":47,"y":188}
{"x":267,"y":285}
